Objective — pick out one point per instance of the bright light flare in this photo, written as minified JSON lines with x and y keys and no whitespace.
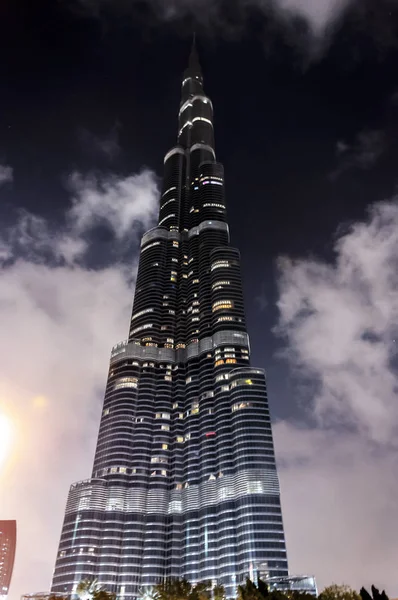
{"x":5,"y":437}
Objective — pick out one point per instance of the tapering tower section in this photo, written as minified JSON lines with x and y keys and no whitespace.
{"x":184,"y":482}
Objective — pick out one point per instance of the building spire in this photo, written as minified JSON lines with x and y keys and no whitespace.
{"x":194,"y":64}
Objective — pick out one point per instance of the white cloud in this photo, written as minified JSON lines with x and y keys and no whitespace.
{"x":58,"y":321}
{"x":109,"y":199}
{"x":122,"y":204}
{"x":320,"y":14}
{"x":340,"y":478}
{"x":6,"y":174}
{"x":339,"y":499}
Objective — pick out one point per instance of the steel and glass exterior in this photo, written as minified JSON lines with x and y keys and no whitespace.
{"x":184,"y":482}
{"x":294,"y":583}
{"x":8,"y":542}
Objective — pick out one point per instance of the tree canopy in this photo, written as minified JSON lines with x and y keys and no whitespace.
{"x":182,"y":589}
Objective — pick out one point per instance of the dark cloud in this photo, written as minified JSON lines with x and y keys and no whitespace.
{"x":6,"y":174}
{"x":106,"y":146}
{"x":366,"y":149}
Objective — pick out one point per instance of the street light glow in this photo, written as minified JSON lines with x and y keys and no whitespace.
{"x":5,"y":437}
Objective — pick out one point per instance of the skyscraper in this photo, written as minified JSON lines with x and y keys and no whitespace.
{"x":8,"y":541}
{"x":184,"y":482}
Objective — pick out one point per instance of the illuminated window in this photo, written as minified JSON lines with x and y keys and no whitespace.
{"x":142,"y":312}
{"x":223,"y":376}
{"x":231,"y":361}
{"x":188,"y":380}
{"x":214,"y":205}
{"x":175,"y":405}
{"x":106,"y":412}
{"x":162,"y":416}
{"x":122,"y":470}
{"x":202,"y":119}
{"x":165,"y":446}
{"x":180,"y":415}
{"x":176,"y":244}
{"x":240,"y":405}
{"x":150,"y":246}
{"x":166,"y":218}
{"x":238,"y":382}
{"x":179,"y":439}
{"x":163,"y":472}
{"x":137,"y":329}
{"x":167,"y":202}
{"x":218,"y":264}
{"x":164,"y":427}
{"x":222,"y":305}
{"x":159,"y":459}
{"x":218,"y":363}
{"x":220,"y":283}
{"x":173,"y":187}
{"x":187,"y":437}
{"x":126,"y":382}
{"x":168,"y":378}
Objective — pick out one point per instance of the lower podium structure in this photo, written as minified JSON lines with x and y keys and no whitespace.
{"x":8,"y":542}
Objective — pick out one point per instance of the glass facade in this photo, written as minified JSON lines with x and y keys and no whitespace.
{"x":298,"y":583}
{"x":8,"y":542}
{"x":184,"y":482}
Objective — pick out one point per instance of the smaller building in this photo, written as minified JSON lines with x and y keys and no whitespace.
{"x":296,"y":583}
{"x":8,"y":542}
{"x":43,"y":596}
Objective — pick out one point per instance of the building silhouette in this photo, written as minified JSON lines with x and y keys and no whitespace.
{"x":184,"y":481}
{"x":8,"y":542}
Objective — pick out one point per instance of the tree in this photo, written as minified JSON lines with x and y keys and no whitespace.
{"x":249,"y":591}
{"x":173,"y":589}
{"x":219,"y":592}
{"x":181,"y":589}
{"x":375,"y":594}
{"x":339,"y":592}
{"x":90,"y":589}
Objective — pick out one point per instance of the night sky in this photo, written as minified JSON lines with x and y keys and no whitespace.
{"x":306,"y":124}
